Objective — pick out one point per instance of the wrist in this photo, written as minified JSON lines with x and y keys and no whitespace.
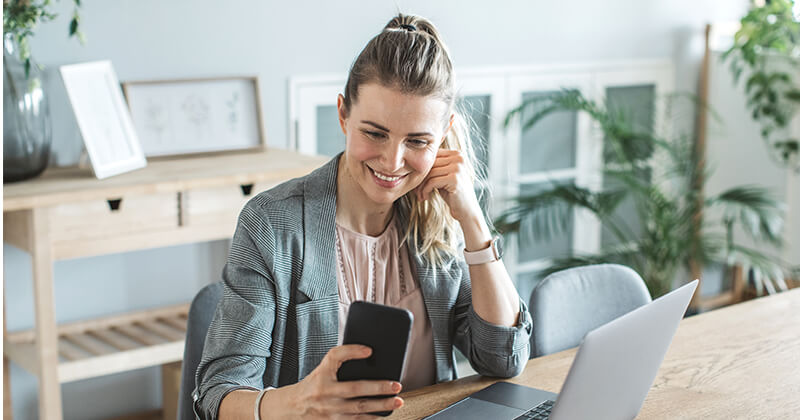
{"x":257,"y":415}
{"x":278,"y":403}
{"x":476,"y":232}
{"x":493,"y":252}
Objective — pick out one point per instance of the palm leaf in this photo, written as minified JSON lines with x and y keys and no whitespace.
{"x":767,"y":274}
{"x":544,"y":215}
{"x":754,"y":208}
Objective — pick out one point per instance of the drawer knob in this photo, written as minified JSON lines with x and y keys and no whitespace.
{"x":247,"y":189}
{"x":113,"y":204}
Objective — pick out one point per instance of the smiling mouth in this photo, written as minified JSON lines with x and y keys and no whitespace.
{"x":386,"y":178}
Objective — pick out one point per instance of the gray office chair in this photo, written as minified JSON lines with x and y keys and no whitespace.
{"x":201,"y":312}
{"x":568,"y":304}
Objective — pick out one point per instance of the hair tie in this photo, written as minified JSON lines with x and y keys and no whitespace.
{"x":409,"y":27}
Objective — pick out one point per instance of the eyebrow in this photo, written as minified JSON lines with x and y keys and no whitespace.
{"x":380,"y":127}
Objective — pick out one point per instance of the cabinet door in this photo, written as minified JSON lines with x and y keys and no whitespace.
{"x":637,"y":96}
{"x":557,"y":150}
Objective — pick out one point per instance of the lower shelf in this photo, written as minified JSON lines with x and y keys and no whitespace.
{"x":88,"y":349}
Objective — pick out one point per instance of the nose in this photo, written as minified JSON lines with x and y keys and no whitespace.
{"x":394,"y":157}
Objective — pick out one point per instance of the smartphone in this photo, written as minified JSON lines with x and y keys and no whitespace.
{"x":386,"y":330}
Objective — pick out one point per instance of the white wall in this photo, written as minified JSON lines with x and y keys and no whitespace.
{"x":740,"y":155}
{"x":148,"y":39}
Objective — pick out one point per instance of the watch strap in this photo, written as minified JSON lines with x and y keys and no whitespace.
{"x":483,"y":256}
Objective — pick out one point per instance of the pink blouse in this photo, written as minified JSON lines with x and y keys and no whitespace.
{"x":376,"y":269}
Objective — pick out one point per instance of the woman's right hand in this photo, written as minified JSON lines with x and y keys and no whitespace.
{"x":321,"y":395}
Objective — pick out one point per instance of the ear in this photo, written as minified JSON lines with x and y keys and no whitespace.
{"x":342,"y":113}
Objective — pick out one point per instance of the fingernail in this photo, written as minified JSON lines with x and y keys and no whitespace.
{"x":396,"y":387}
{"x":398,"y":402}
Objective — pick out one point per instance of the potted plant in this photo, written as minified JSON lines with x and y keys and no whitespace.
{"x":666,"y":197}
{"x":26,"y":118}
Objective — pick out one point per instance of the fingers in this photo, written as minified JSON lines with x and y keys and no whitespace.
{"x":447,"y":181}
{"x":441,"y":170}
{"x":340,"y":354}
{"x":446,"y":157}
{"x":352,"y":389}
{"x":443,"y":173}
{"x":370,"y":405}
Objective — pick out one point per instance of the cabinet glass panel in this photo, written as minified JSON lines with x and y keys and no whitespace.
{"x":330,"y":139}
{"x":635,"y":106}
{"x":558,"y":245}
{"x":625,"y":215}
{"x":551,"y":142}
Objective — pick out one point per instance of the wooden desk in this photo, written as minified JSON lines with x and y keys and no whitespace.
{"x":739,"y":362}
{"x":67,"y":213}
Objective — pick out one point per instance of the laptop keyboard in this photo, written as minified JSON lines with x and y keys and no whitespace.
{"x":540,"y":412}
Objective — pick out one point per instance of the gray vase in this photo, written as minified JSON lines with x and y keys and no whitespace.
{"x":27,"y":130}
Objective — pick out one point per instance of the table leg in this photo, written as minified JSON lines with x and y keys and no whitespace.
{"x":8,"y":412}
{"x":44,"y":307}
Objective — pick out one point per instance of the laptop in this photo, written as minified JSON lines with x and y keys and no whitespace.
{"x":609,"y":379}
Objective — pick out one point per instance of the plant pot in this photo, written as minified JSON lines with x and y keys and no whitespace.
{"x":27,"y":130}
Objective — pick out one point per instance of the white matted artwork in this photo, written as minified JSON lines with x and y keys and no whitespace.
{"x":177,"y":117}
{"x":103,"y":119}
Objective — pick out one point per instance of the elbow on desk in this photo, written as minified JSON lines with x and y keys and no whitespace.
{"x":501,"y":366}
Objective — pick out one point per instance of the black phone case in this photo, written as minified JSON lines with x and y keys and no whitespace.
{"x":384,"y":329}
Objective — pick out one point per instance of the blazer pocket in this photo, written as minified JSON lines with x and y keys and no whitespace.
{"x":317,"y":331}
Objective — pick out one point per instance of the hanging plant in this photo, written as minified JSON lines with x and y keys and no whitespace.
{"x":767,"y":49}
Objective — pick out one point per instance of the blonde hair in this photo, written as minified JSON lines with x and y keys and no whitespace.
{"x":409,"y":55}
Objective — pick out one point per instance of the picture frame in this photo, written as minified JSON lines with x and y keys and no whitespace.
{"x":103,"y":119}
{"x":196,"y":116}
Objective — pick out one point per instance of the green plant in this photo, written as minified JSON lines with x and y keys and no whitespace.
{"x":20,"y":18}
{"x":767,"y":48}
{"x":666,"y":197}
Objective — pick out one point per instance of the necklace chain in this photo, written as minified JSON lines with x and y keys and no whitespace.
{"x":350,"y":293}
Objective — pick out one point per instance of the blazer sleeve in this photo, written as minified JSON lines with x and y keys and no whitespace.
{"x":492,"y":350}
{"x":239,"y":338}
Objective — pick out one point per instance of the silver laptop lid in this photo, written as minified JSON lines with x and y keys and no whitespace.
{"x":616,"y":363}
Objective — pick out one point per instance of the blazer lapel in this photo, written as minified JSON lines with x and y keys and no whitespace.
{"x":318,"y":319}
{"x":319,"y":225}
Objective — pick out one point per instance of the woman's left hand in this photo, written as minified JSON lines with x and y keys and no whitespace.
{"x":450,"y":177}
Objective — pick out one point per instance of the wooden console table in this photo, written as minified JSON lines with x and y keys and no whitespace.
{"x":67,"y":213}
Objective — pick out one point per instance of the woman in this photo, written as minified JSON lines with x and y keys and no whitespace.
{"x":384,"y":221}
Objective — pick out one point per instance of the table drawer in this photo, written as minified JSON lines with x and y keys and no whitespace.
{"x":219,"y":206}
{"x":116,"y":216}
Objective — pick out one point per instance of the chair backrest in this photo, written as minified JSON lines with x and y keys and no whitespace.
{"x":567,"y":304}
{"x":201,"y":312}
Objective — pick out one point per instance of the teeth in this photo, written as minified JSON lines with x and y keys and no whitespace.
{"x":385,"y":178}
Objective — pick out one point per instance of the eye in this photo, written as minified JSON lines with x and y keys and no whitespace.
{"x":418,"y":143}
{"x":374,"y":134}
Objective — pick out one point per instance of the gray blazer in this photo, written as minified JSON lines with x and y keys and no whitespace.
{"x":278,"y":316}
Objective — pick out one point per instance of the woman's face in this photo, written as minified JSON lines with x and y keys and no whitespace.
{"x":391,"y":140}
